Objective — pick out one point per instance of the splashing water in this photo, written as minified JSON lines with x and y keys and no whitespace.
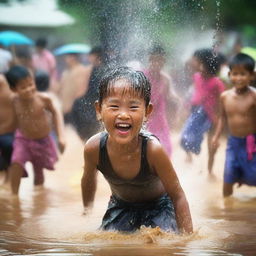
{"x":49,"y":221}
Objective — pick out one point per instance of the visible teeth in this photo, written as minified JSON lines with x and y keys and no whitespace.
{"x":123,"y":125}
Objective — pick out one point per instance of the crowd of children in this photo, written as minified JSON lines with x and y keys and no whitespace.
{"x":134,"y":151}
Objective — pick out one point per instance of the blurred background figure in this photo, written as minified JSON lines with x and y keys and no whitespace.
{"x":162,"y":95}
{"x":73,"y":83}
{"x":36,"y":116}
{"x":5,"y":59}
{"x":42,"y":81}
{"x":44,"y":60}
{"x":23,"y":57}
{"x":83,"y":110}
{"x":7,"y":126}
{"x":204,"y":105}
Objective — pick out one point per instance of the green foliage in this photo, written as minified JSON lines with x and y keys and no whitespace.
{"x":166,"y":17}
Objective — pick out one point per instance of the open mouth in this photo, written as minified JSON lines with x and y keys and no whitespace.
{"x":123,"y":127}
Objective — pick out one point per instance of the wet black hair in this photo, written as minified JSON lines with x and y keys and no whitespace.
{"x":242,"y":59}
{"x":97,"y":50}
{"x":210,"y":60}
{"x":222,"y":58}
{"x":23,"y":53}
{"x":41,"y":42}
{"x":42,"y":80}
{"x":15,"y":74}
{"x":137,"y":80}
{"x":157,"y":50}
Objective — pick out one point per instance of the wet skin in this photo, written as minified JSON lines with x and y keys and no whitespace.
{"x":238,"y":110}
{"x":7,"y":114}
{"x":123,"y":113}
{"x":35,"y":111}
{"x":238,"y":105}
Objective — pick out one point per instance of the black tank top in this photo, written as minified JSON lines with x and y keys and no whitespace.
{"x":143,"y":178}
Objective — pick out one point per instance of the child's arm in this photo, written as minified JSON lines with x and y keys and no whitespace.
{"x":89,"y":178}
{"x":220,"y":124}
{"x":172,"y":100}
{"x":163,"y":167}
{"x":57,"y":122}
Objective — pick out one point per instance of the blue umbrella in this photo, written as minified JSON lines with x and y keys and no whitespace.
{"x":8,"y":38}
{"x":72,"y":48}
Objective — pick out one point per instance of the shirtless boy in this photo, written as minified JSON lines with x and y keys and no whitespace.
{"x":73,"y":83}
{"x":238,"y":109}
{"x":35,"y":113}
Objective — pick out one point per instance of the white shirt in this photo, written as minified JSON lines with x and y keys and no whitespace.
{"x":5,"y":59}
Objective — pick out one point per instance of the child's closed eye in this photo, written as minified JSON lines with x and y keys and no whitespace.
{"x":114,"y":106}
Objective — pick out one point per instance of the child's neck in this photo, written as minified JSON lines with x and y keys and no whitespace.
{"x":124,"y":148}
{"x":241,"y":91}
{"x":26,"y":102}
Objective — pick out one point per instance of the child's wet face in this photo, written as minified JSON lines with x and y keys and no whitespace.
{"x":240,"y":77}
{"x":123,"y":112}
{"x":157,"y":61}
{"x":26,"y":88}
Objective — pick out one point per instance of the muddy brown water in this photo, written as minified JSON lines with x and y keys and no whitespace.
{"x":49,"y":221}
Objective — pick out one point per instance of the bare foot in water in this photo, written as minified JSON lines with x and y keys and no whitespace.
{"x":188,"y":158}
{"x":212,"y":177}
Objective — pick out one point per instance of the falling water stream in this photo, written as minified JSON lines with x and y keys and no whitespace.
{"x":49,"y":221}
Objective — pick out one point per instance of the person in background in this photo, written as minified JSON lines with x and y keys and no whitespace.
{"x":23,"y":57}
{"x":145,"y":188}
{"x":238,"y":111}
{"x":83,"y":110}
{"x":5,"y":59}
{"x":42,"y":82}
{"x":162,"y":96}
{"x":7,"y":126}
{"x":35,"y":114}
{"x":205,"y":106}
{"x":44,"y":60}
{"x":73,"y":84}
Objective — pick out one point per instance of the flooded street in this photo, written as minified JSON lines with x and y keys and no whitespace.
{"x":49,"y":220}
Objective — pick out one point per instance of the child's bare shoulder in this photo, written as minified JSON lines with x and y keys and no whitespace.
{"x":92,"y":147}
{"x":45,"y":97}
{"x":154,"y":146}
{"x":156,"y":154}
{"x":227,"y":93}
{"x":253,"y":90}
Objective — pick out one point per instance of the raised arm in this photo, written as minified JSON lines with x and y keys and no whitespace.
{"x":89,"y":178}
{"x":167,"y":174}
